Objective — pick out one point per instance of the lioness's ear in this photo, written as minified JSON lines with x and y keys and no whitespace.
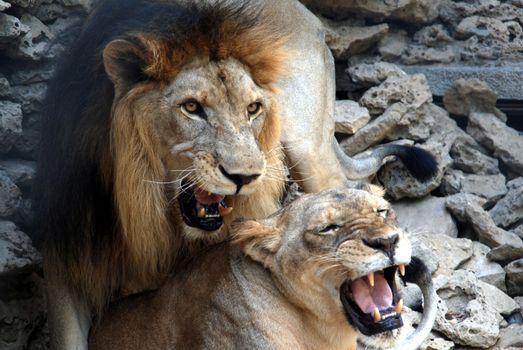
{"x":374,"y":189}
{"x":124,"y":62}
{"x":259,"y":240}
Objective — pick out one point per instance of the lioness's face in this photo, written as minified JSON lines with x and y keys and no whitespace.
{"x":339,"y":250}
{"x":211,"y":119}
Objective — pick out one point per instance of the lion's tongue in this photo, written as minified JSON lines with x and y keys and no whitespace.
{"x":203,"y":197}
{"x":368,"y":298}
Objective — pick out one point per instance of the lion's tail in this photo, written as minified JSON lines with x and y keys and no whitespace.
{"x":420,"y":163}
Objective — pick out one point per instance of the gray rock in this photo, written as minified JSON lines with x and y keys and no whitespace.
{"x":348,"y":40}
{"x":510,"y":338}
{"x":490,"y":187}
{"x":417,"y":124}
{"x":10,"y":28}
{"x":10,"y":196}
{"x":451,"y":182}
{"x":514,"y":272}
{"x":426,"y":215}
{"x":10,"y":125}
{"x":467,"y":208}
{"x":506,"y":253}
{"x":412,"y":91}
{"x":393,"y":44}
{"x":27,"y":144}
{"x":484,"y":269}
{"x":411,"y":11}
{"x":509,"y":209}
{"x":4,"y":5}
{"x":30,"y":96}
{"x":518,"y":231}
{"x":373,"y":74}
{"x":436,"y":343}
{"x":22,"y":311}
{"x":451,"y":252}
{"x":17,"y":254}
{"x":519,"y":300}
{"x":412,"y":297}
{"x":5,"y":87}
{"x":466,"y":315}
{"x":433,"y":36}
{"x":350,"y":116}
{"x":471,"y":160}
{"x":505,"y":142}
{"x":503,"y":79}
{"x":375,"y":131}
{"x":20,"y":171}
{"x":417,"y":54}
{"x":423,"y":250}
{"x":472,"y":95}
{"x":499,"y":300}
{"x":32,"y":75}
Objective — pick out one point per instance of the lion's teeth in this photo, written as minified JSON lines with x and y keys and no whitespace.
{"x":209,"y":193}
{"x":401,"y":268}
{"x":223,"y":210}
{"x":399,"y":307}
{"x":201,"y":213}
{"x":377,"y":315}
{"x":370,"y":277}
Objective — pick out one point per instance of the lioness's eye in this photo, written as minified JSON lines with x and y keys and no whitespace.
{"x":254,"y":108}
{"x":192,"y":107}
{"x":382,"y":212}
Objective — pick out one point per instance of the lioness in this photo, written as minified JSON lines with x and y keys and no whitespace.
{"x":167,"y":120}
{"x":311,"y":276}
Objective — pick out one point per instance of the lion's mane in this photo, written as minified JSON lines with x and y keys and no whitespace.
{"x":100,"y":226}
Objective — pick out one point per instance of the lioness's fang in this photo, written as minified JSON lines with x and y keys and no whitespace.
{"x":201,"y":213}
{"x":399,"y":307}
{"x":377,"y":315}
{"x":223,"y":210}
{"x":401,"y":268}
{"x":370,"y":277}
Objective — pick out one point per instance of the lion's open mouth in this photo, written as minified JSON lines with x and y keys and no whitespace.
{"x":372,"y":303}
{"x":202,"y":209}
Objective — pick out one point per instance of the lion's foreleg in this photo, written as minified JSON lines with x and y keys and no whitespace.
{"x":68,"y":317}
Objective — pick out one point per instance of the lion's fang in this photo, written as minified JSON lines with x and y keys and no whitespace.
{"x":401,"y":268}
{"x":370,"y":277}
{"x":201,"y":213}
{"x":224,"y":211}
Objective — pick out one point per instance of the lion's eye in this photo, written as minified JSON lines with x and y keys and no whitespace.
{"x":254,"y":108}
{"x":329,"y":229}
{"x":382,"y":212}
{"x":191,"y":107}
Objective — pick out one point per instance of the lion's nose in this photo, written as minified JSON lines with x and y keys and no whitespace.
{"x":386,"y":244}
{"x":239,"y":179}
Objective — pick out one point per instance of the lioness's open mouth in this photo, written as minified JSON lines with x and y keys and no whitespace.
{"x":372,"y":303}
{"x":202,"y":209}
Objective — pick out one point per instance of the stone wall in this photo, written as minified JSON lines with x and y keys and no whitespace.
{"x":467,"y":223}
{"x":32,"y":34}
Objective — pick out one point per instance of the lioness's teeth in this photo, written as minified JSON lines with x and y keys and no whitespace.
{"x":201,"y":213}
{"x":223,"y":210}
{"x":370,"y":277}
{"x":377,"y":315}
{"x":401,"y":267}
{"x":399,"y":307}
{"x":209,"y":193}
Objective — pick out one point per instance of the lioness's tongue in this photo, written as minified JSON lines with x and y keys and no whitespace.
{"x":205,"y":198}
{"x":368,"y":298}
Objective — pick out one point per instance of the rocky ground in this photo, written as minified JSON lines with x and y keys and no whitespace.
{"x":466,"y":223}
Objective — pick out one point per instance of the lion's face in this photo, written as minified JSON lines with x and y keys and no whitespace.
{"x":210,"y":121}
{"x":338,"y":254}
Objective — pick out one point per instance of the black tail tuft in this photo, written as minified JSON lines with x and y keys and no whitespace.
{"x":421,"y":163}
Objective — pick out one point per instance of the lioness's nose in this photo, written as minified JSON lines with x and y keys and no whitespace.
{"x":239,"y":179}
{"x":386,"y":244}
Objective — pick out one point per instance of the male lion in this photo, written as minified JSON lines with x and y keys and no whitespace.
{"x":167,"y":120}
{"x":313,"y":275}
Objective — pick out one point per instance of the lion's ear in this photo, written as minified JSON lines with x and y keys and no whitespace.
{"x":124,"y":62}
{"x":259,"y":240}
{"x":373,"y":189}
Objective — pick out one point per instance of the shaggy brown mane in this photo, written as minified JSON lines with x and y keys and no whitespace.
{"x":101,"y":226}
